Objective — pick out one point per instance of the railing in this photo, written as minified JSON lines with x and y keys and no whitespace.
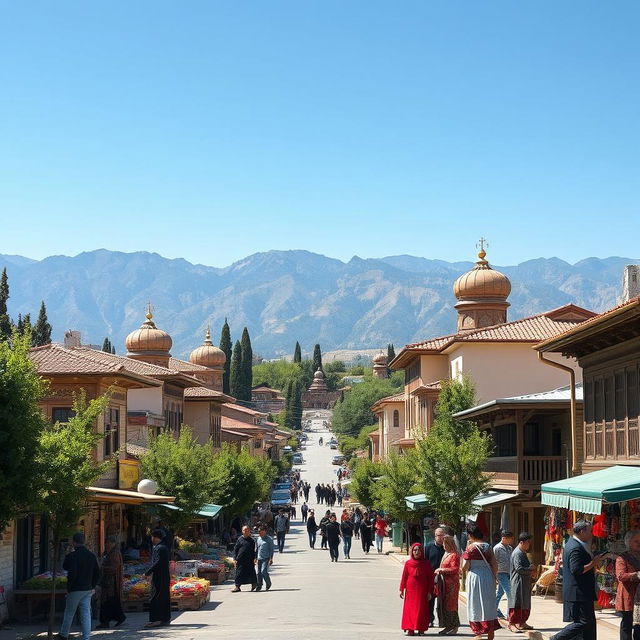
{"x":539,"y":469}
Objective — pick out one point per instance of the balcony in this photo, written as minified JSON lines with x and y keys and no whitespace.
{"x":527,"y":473}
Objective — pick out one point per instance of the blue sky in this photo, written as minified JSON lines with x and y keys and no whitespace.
{"x":211,"y":130}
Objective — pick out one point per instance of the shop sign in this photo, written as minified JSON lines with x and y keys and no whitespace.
{"x":128,"y":474}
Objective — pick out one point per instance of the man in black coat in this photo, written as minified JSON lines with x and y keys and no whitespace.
{"x":579,"y":585}
{"x":433,"y":552}
{"x":160,"y":603}
{"x":244,"y":554}
{"x":333,"y":537}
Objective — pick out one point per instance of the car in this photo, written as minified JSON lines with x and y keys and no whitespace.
{"x":297,"y":459}
{"x":339,"y":459}
{"x":287,"y":449}
{"x":333,"y":445}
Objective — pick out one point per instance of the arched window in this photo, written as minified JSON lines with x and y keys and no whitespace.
{"x":396,"y":419}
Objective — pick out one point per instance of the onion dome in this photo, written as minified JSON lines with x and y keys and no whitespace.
{"x":208,"y":355}
{"x":148,"y":339}
{"x":380,"y":359}
{"x":318,"y":375}
{"x":482,"y":283}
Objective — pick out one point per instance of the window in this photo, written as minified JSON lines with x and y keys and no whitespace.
{"x":111,"y":431}
{"x":599,"y":399}
{"x":588,"y":401}
{"x":620,"y":399}
{"x":62,"y":414}
{"x":533,"y":441}
{"x":412,"y":371}
{"x":505,"y":440}
{"x":633,"y":395}
{"x":608,"y":398}
{"x":396,"y":419}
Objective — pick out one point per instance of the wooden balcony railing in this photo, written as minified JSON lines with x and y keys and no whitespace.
{"x":529,"y":471}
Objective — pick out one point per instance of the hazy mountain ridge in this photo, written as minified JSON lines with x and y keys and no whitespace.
{"x":284,"y":296}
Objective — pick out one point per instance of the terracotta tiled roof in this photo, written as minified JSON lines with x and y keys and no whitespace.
{"x":375,"y":434}
{"x":184,"y":365}
{"x":238,"y":434}
{"x":531,"y":329}
{"x":429,"y":386}
{"x":264,"y":387}
{"x":398,"y":397}
{"x":137,"y":366}
{"x":239,"y":407}
{"x":204,"y":392}
{"x":404,"y":442}
{"x":54,"y":359}
{"x":590,"y":323}
{"x":230,"y":423}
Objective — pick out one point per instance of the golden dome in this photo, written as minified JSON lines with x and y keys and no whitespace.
{"x":148,"y":338}
{"x":207,"y":355}
{"x":482,"y":282}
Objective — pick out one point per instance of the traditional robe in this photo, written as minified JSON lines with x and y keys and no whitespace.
{"x":520,"y":599}
{"x":111,"y":588}
{"x":160,"y":603}
{"x":244,"y":553}
{"x":448,"y":588}
{"x":417,"y":584}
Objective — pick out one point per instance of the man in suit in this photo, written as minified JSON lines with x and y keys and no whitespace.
{"x":579,"y":585}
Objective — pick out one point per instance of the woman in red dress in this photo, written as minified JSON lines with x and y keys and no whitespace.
{"x":416,"y":587}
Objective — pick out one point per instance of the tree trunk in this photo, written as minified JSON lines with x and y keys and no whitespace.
{"x":52,"y":604}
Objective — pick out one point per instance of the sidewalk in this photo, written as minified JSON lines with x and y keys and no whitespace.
{"x":546,"y":613}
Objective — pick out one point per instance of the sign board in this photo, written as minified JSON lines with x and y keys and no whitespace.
{"x":128,"y":474}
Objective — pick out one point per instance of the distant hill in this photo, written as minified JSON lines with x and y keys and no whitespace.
{"x":284,"y":296}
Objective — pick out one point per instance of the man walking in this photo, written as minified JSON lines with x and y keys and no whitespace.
{"x":160,"y":603}
{"x":82,"y":577}
{"x":520,"y":593}
{"x":346,"y":529}
{"x":579,"y":585}
{"x":433,"y":553}
{"x":318,"y":491}
{"x":244,"y":554}
{"x":281,"y":527}
{"x":264,"y":557}
{"x":502,"y":551}
{"x":333,"y":537}
{"x":304,"y":509}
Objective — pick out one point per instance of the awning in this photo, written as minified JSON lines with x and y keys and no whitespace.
{"x":587,"y":493}
{"x":419,"y":501}
{"x":207,"y":511}
{"x":121,"y":496}
{"x":416,"y":502}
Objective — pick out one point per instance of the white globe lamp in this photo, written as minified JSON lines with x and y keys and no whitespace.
{"x":147,"y":486}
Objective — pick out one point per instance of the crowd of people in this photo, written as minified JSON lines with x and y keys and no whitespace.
{"x":329,"y":494}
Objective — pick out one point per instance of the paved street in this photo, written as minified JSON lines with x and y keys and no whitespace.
{"x":311,"y":596}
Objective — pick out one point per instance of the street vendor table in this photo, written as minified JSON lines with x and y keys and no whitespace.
{"x":35,"y":596}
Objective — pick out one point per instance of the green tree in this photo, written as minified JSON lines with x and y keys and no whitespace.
{"x":363,"y":482}
{"x":295,"y":406}
{"x":180,"y":466}
{"x":317,"y":358}
{"x":452,"y":457}
{"x":42,"y":329}
{"x":235,"y":376}
{"x":66,"y":465}
{"x":391,"y":352}
{"x":225,"y":347}
{"x":297,"y":353}
{"x":354,"y":412}
{"x":246,"y":353}
{"x":21,"y":422}
{"x":5,"y":320}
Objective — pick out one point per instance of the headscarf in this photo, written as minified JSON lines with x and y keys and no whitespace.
{"x":417,"y":565}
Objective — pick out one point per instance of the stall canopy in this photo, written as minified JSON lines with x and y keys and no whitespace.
{"x":587,"y":493}
{"x":207,"y":511}
{"x":419,"y":501}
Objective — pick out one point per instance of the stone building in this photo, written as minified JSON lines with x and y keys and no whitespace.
{"x":318,"y":396}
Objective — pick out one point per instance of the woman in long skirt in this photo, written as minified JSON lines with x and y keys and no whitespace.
{"x":448,"y":587}
{"x":481,"y":566}
{"x":111,"y":586}
{"x":416,"y":588}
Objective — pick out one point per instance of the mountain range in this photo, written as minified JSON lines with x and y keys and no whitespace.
{"x":284,"y":296}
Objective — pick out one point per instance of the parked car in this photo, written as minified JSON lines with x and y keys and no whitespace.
{"x":333,"y":445}
{"x":297,"y":458}
{"x":287,"y":449}
{"x":339,"y":459}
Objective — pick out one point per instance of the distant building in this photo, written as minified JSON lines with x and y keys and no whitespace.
{"x":267,"y":399}
{"x":380,"y":366}
{"x":318,"y":396}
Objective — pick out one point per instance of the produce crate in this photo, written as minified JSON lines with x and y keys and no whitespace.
{"x":190,"y":603}
{"x":214,"y":577}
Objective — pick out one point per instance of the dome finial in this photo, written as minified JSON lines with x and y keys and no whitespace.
{"x":482,"y":243}
{"x":207,"y":336}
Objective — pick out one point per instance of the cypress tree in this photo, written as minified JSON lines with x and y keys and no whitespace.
{"x":391,"y":353}
{"x":113,"y":350}
{"x":288,"y":402}
{"x":42,"y":330}
{"x":26,"y":324}
{"x":296,"y":404}
{"x":297,"y":353}
{"x":106,"y":345}
{"x":317,"y":358}
{"x":247,"y":365}
{"x":20,"y":324}
{"x":5,"y":321}
{"x":225,"y":347}
{"x":235,"y":375}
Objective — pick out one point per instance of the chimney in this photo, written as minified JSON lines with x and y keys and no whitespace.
{"x":72,"y":339}
{"x":631,"y":282}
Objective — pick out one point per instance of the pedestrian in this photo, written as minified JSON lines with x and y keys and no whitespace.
{"x":365,"y":533}
{"x":323,"y":529}
{"x":83,"y":573}
{"x":333,"y":537}
{"x":111,"y":586}
{"x":281,"y":527}
{"x":481,"y":567}
{"x":502,"y":551}
{"x":381,"y":532}
{"x":520,"y":593}
{"x":160,"y":603}
{"x":448,"y":587}
{"x":434,"y":551}
{"x":307,"y":488}
{"x":346,"y":529}
{"x":292,"y":511}
{"x":579,"y":585}
{"x":416,"y":589}
{"x":312,"y":528}
{"x":318,"y":493}
{"x":628,"y":576}
{"x":357,"y":519}
{"x":264,"y":557}
{"x":244,"y":554}
{"x":304,"y":510}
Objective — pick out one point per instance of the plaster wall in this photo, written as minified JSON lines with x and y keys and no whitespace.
{"x":145,"y":400}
